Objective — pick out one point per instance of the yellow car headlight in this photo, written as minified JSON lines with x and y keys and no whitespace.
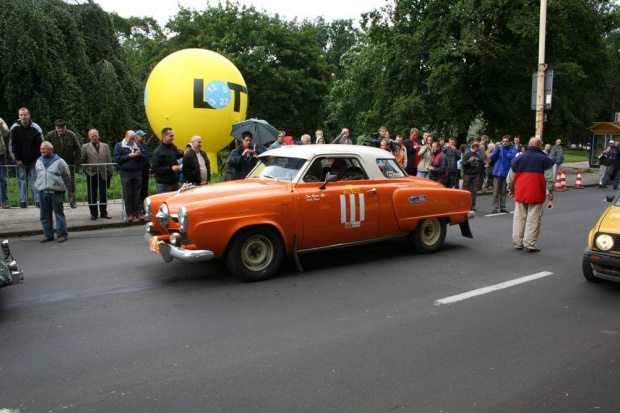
{"x":604,"y":242}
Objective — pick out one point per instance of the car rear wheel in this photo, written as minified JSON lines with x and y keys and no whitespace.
{"x":428,"y":236}
{"x":255,"y":254}
{"x":588,"y":272}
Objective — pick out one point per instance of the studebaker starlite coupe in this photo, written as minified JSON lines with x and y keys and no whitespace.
{"x":299,"y":199}
{"x":9,"y":271}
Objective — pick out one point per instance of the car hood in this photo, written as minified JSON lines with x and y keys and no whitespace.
{"x":226,"y":191}
{"x":610,"y":221}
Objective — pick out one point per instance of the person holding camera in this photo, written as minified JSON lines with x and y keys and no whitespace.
{"x":130,"y":161}
{"x":472,"y":165}
{"x":424,"y":153}
{"x":243,"y":158}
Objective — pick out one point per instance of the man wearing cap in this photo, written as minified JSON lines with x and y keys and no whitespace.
{"x":144,"y":148}
{"x":67,"y":146}
{"x":25,"y":138}
{"x":164,"y":163}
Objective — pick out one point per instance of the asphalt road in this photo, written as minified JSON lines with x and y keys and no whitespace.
{"x":103,"y":325}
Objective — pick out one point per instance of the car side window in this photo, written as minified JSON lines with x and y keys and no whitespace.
{"x":390,"y":168}
{"x":343,"y":169}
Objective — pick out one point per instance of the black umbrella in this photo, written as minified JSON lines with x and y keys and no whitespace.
{"x":261,"y":131}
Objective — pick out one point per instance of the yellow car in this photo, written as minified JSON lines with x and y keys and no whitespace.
{"x":601,"y":260}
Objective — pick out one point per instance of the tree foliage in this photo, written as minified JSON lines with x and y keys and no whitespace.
{"x":64,"y":61}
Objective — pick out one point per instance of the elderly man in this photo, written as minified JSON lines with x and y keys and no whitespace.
{"x":165,"y":163}
{"x":196,"y":165}
{"x":67,"y":146}
{"x":53,"y":177}
{"x":557,"y":156}
{"x":529,"y":180}
{"x":25,"y":139}
{"x":98,"y":176}
{"x":130,"y":161}
{"x":305,"y":139}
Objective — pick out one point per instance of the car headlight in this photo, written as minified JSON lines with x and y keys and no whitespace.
{"x":604,"y":242}
{"x":182,"y":217}
{"x":163,"y":215}
{"x":147,"y":208}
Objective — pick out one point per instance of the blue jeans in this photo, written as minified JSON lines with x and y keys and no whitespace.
{"x":423,"y":174}
{"x":25,"y":173}
{"x":53,"y":203}
{"x":3,"y":170}
{"x":161,"y":188}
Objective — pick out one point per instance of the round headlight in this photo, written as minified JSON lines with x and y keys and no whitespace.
{"x":147,"y":208}
{"x":604,"y":242}
{"x":163,"y":216}
{"x":182,"y":216}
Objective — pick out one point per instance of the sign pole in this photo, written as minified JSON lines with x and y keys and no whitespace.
{"x":540,"y":88}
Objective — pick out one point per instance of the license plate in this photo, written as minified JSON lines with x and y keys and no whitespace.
{"x":154,"y":244}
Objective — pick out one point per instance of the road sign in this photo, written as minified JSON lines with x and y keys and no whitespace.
{"x":548,"y":88}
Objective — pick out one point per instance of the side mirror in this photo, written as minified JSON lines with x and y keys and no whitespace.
{"x":610,"y":198}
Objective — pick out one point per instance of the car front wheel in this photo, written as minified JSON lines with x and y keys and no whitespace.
{"x":255,"y":254}
{"x":428,"y":236}
{"x":588,"y":272}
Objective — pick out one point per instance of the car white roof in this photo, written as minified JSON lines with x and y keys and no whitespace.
{"x":368,"y":153}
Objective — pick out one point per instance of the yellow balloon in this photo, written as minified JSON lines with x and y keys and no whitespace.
{"x":196,"y":92}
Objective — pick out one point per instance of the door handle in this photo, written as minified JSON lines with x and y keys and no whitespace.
{"x":372,"y":191}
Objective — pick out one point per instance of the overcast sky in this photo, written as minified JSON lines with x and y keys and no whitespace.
{"x":162,"y":10}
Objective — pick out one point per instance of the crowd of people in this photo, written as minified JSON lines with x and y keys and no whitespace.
{"x":47,"y":163}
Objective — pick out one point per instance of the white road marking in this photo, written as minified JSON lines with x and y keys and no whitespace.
{"x":492,"y":288}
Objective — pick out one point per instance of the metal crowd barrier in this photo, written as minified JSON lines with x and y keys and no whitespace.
{"x":9,"y":173}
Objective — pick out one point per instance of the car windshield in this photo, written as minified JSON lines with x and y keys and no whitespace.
{"x":277,"y":167}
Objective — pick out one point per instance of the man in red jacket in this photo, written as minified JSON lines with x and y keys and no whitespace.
{"x":529,"y":181}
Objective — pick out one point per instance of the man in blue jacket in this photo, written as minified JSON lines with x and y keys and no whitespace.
{"x":501,"y":158}
{"x":130,"y":160}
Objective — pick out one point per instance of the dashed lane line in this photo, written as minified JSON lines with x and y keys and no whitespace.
{"x":492,"y":288}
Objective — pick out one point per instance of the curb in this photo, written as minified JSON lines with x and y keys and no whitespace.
{"x":77,"y":228}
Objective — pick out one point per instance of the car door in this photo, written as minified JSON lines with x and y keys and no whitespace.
{"x":341,"y":212}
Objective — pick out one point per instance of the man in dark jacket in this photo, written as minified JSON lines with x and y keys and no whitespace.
{"x":25,"y":140}
{"x":472,"y":165}
{"x":130,"y":161}
{"x":196,"y":166}
{"x":412,"y":145}
{"x":67,"y":146}
{"x":164,"y":163}
{"x":529,"y":180}
{"x":243,"y":158}
{"x":453,"y":156}
{"x":146,"y":170}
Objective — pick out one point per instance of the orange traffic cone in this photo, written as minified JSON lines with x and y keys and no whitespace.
{"x":558,"y":183}
{"x":564,"y":188}
{"x":578,"y":182}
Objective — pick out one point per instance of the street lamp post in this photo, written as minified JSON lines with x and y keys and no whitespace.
{"x":540,"y":80}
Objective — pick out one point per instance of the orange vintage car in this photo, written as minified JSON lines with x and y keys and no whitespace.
{"x":300,"y":199}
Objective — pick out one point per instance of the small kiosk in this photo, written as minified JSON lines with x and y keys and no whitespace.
{"x":602,"y":134}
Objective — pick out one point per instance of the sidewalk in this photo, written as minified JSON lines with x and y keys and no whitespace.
{"x":23,"y":222}
{"x":19,"y":222}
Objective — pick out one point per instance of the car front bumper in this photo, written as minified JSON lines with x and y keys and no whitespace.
{"x":606,"y":265}
{"x":169,"y":252}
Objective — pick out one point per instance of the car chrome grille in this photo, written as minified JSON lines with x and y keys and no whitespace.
{"x":616,"y":243}
{"x":186,"y":240}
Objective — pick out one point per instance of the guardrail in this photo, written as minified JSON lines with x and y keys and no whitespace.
{"x":114,"y":190}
